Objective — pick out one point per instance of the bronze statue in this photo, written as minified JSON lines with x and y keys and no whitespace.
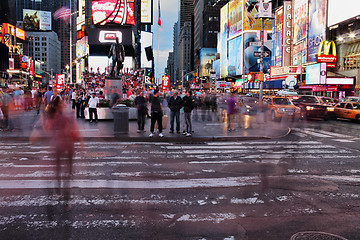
{"x":117,"y":52}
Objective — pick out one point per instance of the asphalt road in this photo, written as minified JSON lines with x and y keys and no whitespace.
{"x":268,"y":189}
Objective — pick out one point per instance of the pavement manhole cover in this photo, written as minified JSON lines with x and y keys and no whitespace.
{"x":315,"y":236}
{"x":99,"y":154}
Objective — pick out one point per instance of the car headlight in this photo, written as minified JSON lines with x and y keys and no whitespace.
{"x":282,"y":109}
{"x":248,"y":107}
{"x":309,"y":108}
{"x":330,"y":109}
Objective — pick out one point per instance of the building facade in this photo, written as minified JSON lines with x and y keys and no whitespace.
{"x":45,"y":49}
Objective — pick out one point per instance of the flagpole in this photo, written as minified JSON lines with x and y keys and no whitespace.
{"x":158,"y":55}
{"x":70,"y":42}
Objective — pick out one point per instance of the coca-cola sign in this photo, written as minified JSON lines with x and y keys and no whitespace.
{"x":113,"y":11}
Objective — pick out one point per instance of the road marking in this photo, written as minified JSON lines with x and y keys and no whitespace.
{"x":120,"y":184}
{"x":311,"y":133}
{"x":343,"y":140}
{"x":329,"y":133}
{"x":299,"y":134}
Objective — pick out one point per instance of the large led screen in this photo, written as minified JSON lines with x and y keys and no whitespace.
{"x":279,"y":26}
{"x":342,"y":10}
{"x":146,"y":41}
{"x":207,"y":56}
{"x":146,"y":11}
{"x":251,"y":22}
{"x":222,"y":43}
{"x":35,"y":20}
{"x":235,"y":18}
{"x":300,"y":19}
{"x":113,"y":11}
{"x":235,"y":56}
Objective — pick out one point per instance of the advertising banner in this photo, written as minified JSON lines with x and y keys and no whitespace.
{"x":60,"y":81}
{"x":250,"y":22}
{"x":207,"y":56}
{"x":250,"y":62}
{"x":104,"y":36}
{"x":235,"y":56}
{"x":113,"y":11}
{"x":145,"y":41}
{"x":165,"y":82}
{"x":317,"y":27}
{"x":235,"y":18}
{"x":82,"y":47}
{"x":300,"y":19}
{"x":222,"y":43}
{"x":341,"y":10}
{"x":279,"y":23}
{"x":146,"y":11}
{"x":35,"y":20}
{"x":299,"y":53}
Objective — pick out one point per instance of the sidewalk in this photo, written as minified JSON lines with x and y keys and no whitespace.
{"x":207,"y":126}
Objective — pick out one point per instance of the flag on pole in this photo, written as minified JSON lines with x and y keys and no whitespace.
{"x":159,"y":19}
{"x":62,"y":13}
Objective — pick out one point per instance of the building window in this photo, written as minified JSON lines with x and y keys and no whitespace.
{"x":37,"y":44}
{"x":36,"y":38}
{"x":43,"y":38}
{"x":43,"y":44}
{"x":210,"y":19}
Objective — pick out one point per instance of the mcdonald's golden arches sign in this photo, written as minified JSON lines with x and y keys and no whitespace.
{"x":327,"y":53}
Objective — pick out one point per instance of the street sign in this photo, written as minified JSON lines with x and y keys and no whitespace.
{"x":265,"y":54}
{"x":258,"y":44}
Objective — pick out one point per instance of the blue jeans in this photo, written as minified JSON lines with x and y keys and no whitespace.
{"x":177,"y":116}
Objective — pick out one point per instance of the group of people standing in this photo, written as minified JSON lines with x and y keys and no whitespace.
{"x":175,"y":104}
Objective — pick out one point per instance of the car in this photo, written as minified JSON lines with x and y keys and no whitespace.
{"x":348,"y":110}
{"x":329,"y":100}
{"x":282,"y":107}
{"x":314,"y":107}
{"x":251,"y":105}
{"x":351,"y":99}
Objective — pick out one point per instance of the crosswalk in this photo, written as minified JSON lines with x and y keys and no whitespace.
{"x":165,"y":184}
{"x":337,"y":137}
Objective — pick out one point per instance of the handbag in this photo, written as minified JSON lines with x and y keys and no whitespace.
{"x":1,"y":115}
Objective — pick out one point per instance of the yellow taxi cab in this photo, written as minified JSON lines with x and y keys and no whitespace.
{"x":282,"y":107}
{"x":349,"y":110}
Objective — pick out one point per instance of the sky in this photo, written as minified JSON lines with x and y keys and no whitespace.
{"x":169,"y":15}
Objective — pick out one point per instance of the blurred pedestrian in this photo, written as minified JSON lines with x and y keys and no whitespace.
{"x":232,"y":111}
{"x":188,"y":103}
{"x":47,"y":96}
{"x":140,"y":103}
{"x":5,"y":102}
{"x":156,"y":113}
{"x":175,"y":104}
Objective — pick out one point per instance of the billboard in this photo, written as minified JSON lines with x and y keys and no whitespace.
{"x":235,"y":56}
{"x":146,"y":11}
{"x":113,"y":11}
{"x":250,"y":62}
{"x":300,"y":19}
{"x":287,"y":33}
{"x":299,"y":53}
{"x":342,"y":10}
{"x":235,"y":18}
{"x":250,"y":20}
{"x":279,"y":23}
{"x":222,"y":41}
{"x":165,"y":83}
{"x":315,"y":74}
{"x":317,"y":27}
{"x":145,"y":41}
{"x":207,"y":56}
{"x":82,"y":47}
{"x":35,"y":20}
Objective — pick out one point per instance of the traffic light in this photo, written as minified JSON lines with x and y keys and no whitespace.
{"x":148,"y":72}
{"x":255,"y":77}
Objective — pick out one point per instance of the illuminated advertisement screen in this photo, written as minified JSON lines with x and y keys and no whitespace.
{"x":299,"y":54}
{"x":35,"y":20}
{"x":113,"y":11}
{"x":145,"y":41}
{"x":222,"y":43}
{"x":342,"y":10}
{"x":207,"y":56}
{"x":235,"y":56}
{"x":235,"y":18}
{"x":82,"y":47}
{"x":315,"y":74}
{"x":317,"y":27}
{"x":146,"y":11}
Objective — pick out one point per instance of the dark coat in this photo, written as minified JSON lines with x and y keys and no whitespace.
{"x":188,"y":103}
{"x":175,"y":104}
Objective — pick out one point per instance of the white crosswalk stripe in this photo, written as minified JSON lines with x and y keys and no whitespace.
{"x":305,"y":132}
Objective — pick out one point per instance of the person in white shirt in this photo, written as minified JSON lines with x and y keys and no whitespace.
{"x":73,"y":98}
{"x":93,"y":102}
